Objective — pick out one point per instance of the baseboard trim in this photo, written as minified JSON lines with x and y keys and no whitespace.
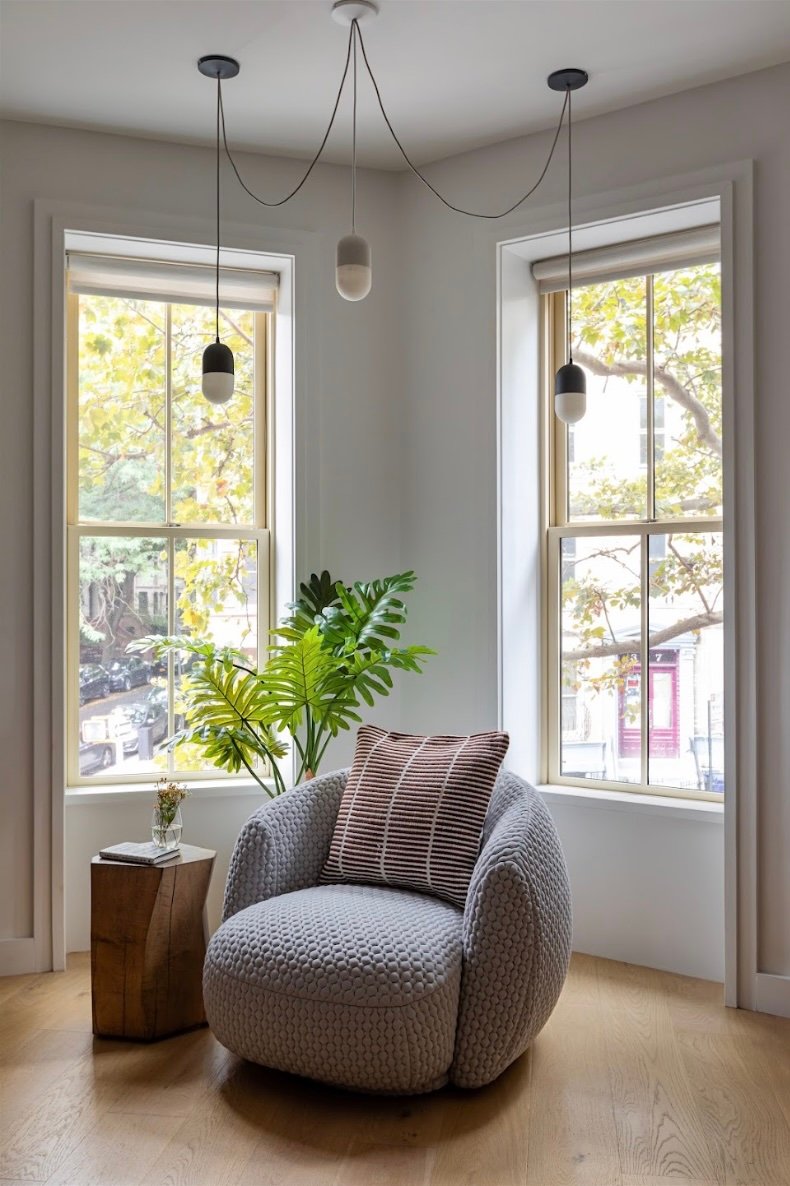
{"x":18,"y":956}
{"x":772,"y":994}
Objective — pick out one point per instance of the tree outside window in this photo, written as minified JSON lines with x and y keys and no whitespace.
{"x":637,"y":549}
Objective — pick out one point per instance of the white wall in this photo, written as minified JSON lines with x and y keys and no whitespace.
{"x":348,"y":484}
{"x":647,"y":887}
{"x":450,"y":468}
{"x":404,"y":421}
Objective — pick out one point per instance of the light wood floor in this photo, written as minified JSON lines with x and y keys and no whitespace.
{"x":639,"y":1079}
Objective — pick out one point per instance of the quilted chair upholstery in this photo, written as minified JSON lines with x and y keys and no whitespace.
{"x":380,"y":989}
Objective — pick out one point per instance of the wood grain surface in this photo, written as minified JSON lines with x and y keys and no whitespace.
{"x":640,"y":1078}
{"x":148,"y":942}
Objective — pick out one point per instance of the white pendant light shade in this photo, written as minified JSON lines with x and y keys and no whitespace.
{"x":353,"y":274}
{"x":570,"y":393}
{"x":218,"y":373}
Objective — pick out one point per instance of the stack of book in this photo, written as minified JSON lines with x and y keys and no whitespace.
{"x":139,"y":854}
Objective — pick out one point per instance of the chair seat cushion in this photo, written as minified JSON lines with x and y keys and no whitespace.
{"x":355,"y":985}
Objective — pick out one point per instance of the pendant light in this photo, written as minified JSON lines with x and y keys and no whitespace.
{"x":353,"y":274}
{"x":570,"y":382}
{"x":218,"y":366}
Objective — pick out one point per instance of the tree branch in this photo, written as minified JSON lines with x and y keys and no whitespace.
{"x":631,"y":647}
{"x":673,"y":387}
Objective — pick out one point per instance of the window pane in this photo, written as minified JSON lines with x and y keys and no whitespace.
{"x":600,"y":631}
{"x":122,"y":701}
{"x":686,"y":677}
{"x":687,"y":372}
{"x":607,"y":478}
{"x":213,"y":445}
{"x":216,"y":587}
{"x":121,"y":410}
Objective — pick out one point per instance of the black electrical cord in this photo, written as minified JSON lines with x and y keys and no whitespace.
{"x":321,"y":146}
{"x":216,"y":305}
{"x":354,"y":35}
{"x":426,"y":182}
{"x":568,"y":100}
{"x":355,"y":31}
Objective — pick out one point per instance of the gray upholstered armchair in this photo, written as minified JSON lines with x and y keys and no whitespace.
{"x":383,"y":989}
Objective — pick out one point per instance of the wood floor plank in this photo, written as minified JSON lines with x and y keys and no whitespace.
{"x":657,"y":1120}
{"x":571,"y":1134}
{"x":118,"y":1150}
{"x":174,"y":1078}
{"x":67,"y":1109}
{"x":640,"y":1079}
{"x":305,"y":1130}
{"x":32,"y":1069}
{"x":639,"y":1180}
{"x":397,"y":1144}
{"x":215,"y":1143}
{"x":745,"y":1127}
{"x":483,"y":1137}
{"x":698,"y":1005}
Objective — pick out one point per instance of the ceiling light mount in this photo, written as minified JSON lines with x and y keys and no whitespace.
{"x":218,"y":66}
{"x":347,"y":11}
{"x":569,"y":79}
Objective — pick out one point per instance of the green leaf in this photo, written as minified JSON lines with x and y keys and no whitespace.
{"x":318,"y":594}
{"x":304,"y":676}
{"x":369,"y":615}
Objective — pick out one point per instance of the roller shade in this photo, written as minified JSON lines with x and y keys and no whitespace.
{"x":661,"y":253}
{"x":189,"y":284}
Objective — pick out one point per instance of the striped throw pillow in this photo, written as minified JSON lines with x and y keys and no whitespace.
{"x":413,"y":810}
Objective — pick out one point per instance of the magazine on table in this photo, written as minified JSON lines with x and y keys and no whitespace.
{"x":139,"y":854}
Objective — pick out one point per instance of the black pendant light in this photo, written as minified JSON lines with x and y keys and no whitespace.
{"x":353,"y":274}
{"x":218,"y":366}
{"x":570,"y":382}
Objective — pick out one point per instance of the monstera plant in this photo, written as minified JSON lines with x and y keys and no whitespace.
{"x":336,"y":650}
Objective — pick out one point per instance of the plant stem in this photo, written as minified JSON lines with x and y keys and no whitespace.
{"x":277,"y":776}
{"x":322,"y":750}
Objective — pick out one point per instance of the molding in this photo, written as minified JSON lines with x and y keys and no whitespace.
{"x":732,"y":184}
{"x":134,"y":793}
{"x":297,"y":509}
{"x":18,"y":956}
{"x":631,"y":803}
{"x":772,"y":994}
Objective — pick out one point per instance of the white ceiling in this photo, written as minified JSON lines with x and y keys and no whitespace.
{"x":455,"y":74}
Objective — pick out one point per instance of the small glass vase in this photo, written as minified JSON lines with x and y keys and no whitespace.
{"x":166,"y":829}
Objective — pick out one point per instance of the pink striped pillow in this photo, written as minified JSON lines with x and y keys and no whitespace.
{"x":413,"y":810}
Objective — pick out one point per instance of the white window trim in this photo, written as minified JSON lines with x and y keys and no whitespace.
{"x":258,"y":532}
{"x":731,"y":185}
{"x":598,"y":799}
{"x":203,"y":788}
{"x":296,"y":504}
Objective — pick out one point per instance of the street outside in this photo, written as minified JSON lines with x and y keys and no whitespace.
{"x":113,"y":707}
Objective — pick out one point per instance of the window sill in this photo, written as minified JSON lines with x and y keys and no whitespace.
{"x":134,"y":792}
{"x":696,"y":810}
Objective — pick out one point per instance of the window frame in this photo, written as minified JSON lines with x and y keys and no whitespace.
{"x":557,"y":525}
{"x":259,"y":532}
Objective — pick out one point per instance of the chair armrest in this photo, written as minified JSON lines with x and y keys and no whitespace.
{"x":516,"y":935}
{"x":283,"y":846}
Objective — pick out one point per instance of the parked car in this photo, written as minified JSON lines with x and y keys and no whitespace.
{"x":94,"y":682}
{"x":96,"y":756}
{"x":151,"y":711}
{"x":128,"y":672}
{"x":182,"y":664}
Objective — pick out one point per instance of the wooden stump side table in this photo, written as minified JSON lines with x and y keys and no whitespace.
{"x":148,"y":943}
